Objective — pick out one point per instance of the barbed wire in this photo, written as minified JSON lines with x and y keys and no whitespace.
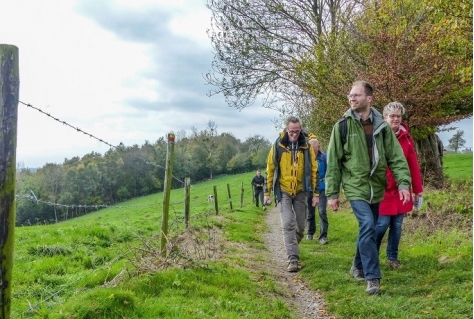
{"x":95,"y":137}
{"x":34,"y":199}
{"x":49,"y":203}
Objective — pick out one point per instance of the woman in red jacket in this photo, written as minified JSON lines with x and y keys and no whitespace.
{"x":392,"y":210}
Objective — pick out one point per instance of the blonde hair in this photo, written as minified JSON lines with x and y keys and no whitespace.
{"x":393,"y":106}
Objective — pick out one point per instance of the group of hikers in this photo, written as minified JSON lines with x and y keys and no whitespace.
{"x":370,"y":158}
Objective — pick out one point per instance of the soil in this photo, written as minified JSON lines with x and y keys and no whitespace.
{"x":305,"y":302}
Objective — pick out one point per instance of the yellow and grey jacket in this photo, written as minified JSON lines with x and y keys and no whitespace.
{"x":291,"y":167}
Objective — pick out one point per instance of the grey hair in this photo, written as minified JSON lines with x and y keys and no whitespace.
{"x":393,"y":106}
{"x":293,"y":119}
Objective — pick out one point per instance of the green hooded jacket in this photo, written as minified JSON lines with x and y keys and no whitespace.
{"x":349,"y":166}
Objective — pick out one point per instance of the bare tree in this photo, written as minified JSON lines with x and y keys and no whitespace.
{"x":258,"y":45}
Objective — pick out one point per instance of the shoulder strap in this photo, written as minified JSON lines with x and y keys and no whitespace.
{"x":343,"y":129}
{"x":277,"y":152}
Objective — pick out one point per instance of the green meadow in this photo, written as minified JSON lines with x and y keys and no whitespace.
{"x":108,"y":264}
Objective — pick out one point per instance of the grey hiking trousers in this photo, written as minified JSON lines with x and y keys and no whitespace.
{"x":293,"y":221}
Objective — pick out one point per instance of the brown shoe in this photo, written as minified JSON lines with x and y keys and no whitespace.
{"x":393,"y":263}
{"x":293,"y":266}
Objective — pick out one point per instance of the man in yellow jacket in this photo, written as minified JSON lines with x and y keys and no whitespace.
{"x":291,"y":175}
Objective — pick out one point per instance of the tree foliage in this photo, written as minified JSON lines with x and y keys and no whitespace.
{"x":411,"y":52}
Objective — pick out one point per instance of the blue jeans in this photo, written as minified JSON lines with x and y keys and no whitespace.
{"x":394,"y":234}
{"x":323,"y":217}
{"x":366,"y":257}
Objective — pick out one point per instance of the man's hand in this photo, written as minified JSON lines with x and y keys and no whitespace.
{"x":315,"y":201}
{"x":266,"y":199}
{"x":404,"y":195}
{"x":333,"y":203}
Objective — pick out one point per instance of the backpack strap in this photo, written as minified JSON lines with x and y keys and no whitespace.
{"x":343,"y":129}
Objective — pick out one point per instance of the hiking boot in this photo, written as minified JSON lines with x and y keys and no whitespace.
{"x":323,"y":241}
{"x":373,"y":286}
{"x":310,"y":237}
{"x":357,"y":273}
{"x":293,"y":266}
{"x":393,"y":263}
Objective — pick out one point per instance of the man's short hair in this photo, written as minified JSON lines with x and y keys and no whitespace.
{"x":368,"y":89}
{"x":293,"y":119}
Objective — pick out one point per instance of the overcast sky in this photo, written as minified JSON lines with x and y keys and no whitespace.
{"x":124,"y":71}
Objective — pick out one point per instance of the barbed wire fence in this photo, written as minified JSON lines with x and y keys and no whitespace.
{"x":176,"y":224}
{"x":94,"y":137}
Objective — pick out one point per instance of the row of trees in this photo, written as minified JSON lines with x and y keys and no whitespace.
{"x":57,"y":192}
{"x":302,"y":56}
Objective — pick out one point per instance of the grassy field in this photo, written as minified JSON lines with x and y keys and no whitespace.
{"x":108,"y":265}
{"x":458,"y":166}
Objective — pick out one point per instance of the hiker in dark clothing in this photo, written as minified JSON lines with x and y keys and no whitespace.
{"x":257,"y":182}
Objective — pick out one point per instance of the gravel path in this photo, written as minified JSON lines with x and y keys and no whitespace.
{"x":307,"y":303}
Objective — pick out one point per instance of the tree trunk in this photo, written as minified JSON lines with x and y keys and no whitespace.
{"x":430,"y":158}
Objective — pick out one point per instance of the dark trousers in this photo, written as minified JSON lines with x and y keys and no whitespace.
{"x":323,"y":217}
{"x":258,"y":195}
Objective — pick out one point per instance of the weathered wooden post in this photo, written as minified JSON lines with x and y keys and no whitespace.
{"x":166,"y":192}
{"x":242,"y":195}
{"x":230,"y":197}
{"x":9,"y":92}
{"x":216,"y":205}
{"x":253,"y":193}
{"x":187,"y":192}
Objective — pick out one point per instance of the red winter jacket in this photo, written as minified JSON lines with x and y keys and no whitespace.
{"x":391,"y":204}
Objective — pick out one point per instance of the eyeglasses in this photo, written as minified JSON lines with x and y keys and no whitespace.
{"x":294,"y":132}
{"x":350,"y":96}
{"x":395,"y":116}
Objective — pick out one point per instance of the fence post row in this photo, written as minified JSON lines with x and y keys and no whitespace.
{"x":166,"y":192}
{"x":9,"y":97}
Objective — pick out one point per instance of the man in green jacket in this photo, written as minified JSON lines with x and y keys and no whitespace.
{"x":359,"y":162}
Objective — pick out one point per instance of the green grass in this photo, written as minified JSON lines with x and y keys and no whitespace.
{"x":458,"y":166}
{"x":67,"y":270}
{"x":60,"y":270}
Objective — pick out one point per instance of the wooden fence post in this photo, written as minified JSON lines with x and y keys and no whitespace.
{"x":9,"y":96}
{"x":216,"y":205}
{"x":166,"y":192}
{"x":253,"y":193}
{"x":242,"y":195}
{"x":230,"y":197}
{"x":187,"y":192}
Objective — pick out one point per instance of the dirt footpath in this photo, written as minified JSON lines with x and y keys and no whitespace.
{"x":306,"y":303}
